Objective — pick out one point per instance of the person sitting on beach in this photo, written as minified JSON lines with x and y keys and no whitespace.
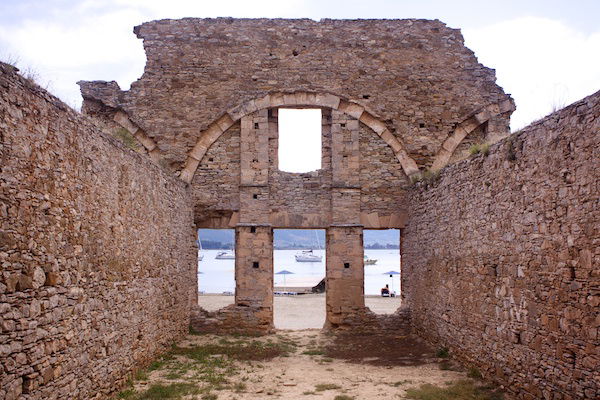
{"x":385,"y":291}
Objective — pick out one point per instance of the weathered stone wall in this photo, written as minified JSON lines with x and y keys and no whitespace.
{"x":501,"y":257}
{"x":96,"y":247}
{"x":416,"y":76}
{"x":300,"y":200}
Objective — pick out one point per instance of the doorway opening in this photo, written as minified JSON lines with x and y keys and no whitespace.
{"x":382,"y":270}
{"x":299,"y":148}
{"x":216,"y":268}
{"x":299,"y":278}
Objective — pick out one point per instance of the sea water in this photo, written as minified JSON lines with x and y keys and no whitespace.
{"x":217,"y":276}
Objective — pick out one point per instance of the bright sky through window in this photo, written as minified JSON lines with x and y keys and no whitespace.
{"x":299,"y":139}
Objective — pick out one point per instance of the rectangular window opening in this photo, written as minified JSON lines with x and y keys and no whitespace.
{"x":216,"y":268}
{"x":299,"y":278}
{"x":299,"y":139}
{"x":382,"y":270}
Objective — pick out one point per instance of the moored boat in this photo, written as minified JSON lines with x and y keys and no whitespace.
{"x":225,"y":255}
{"x":308,"y":256}
{"x":370,"y":261}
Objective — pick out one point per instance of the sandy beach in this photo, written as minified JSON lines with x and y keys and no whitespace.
{"x":300,"y":312}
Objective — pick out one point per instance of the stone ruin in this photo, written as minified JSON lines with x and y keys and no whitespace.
{"x":500,"y":250}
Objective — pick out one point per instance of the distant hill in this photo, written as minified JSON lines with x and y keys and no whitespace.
{"x":296,"y":238}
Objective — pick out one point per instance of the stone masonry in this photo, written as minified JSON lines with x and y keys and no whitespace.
{"x":501,"y":258}
{"x":499,"y":253}
{"x":97,"y":252}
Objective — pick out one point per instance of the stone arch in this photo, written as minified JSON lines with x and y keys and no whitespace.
{"x":295,"y":99}
{"x":138,"y":133}
{"x":466,"y":127}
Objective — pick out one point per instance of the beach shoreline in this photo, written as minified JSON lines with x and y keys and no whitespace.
{"x":306,"y":311}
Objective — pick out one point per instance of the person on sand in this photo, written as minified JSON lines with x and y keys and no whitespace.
{"x":385,"y":291}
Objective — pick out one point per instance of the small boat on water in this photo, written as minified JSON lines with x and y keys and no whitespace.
{"x":200,"y":255}
{"x":225,"y":255}
{"x":308,"y":256}
{"x":370,"y":261}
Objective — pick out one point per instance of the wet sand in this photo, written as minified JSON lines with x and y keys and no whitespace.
{"x":302,"y":311}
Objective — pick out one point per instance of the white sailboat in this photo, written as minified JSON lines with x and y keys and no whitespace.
{"x":225,"y":255}
{"x":200,"y":255}
{"x":309,"y":255}
{"x":370,"y":261}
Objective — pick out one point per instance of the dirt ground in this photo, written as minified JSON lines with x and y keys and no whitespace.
{"x":302,"y":364}
{"x":301,"y":312}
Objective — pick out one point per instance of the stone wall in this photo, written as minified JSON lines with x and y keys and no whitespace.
{"x":96,"y":247}
{"x":416,"y":76}
{"x":501,"y":257}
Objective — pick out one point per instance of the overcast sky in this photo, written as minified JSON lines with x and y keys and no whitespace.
{"x":546,"y":53}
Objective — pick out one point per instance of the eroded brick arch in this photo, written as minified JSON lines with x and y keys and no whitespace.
{"x":295,"y":99}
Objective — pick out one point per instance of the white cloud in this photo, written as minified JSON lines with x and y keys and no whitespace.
{"x":543,"y":63}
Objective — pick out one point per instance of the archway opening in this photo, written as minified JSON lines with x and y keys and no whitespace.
{"x":382,"y":270}
{"x":216,"y":268}
{"x":299,"y":131}
{"x":299,"y":278}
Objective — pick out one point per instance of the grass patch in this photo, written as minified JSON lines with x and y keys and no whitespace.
{"x":253,"y":351}
{"x":171,"y":391}
{"x":314,"y":352}
{"x":209,"y":396}
{"x":321,"y":387}
{"x":126,"y":394}
{"x":127,"y":138}
{"x":474,"y":373}
{"x":443,"y":353}
{"x":461,"y":390}
{"x":483,"y":148}
{"x":343,"y":397}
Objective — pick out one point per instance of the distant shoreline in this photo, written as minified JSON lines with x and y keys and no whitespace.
{"x":229,"y":247}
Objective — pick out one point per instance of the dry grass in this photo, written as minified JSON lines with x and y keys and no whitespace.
{"x":461,"y":390}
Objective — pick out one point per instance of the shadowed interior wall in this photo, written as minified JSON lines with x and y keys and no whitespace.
{"x":96,"y":247}
{"x":501,"y":257}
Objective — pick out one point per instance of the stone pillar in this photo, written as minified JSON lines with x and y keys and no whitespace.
{"x":345,"y":276}
{"x":254,"y":164}
{"x":254,"y":276}
{"x":254,"y":235}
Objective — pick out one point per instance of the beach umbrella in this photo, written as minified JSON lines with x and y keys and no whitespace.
{"x":284,"y":273}
{"x":391,"y":274}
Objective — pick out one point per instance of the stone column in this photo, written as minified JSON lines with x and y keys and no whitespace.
{"x":345,"y":276}
{"x":254,"y":235}
{"x":254,"y":276}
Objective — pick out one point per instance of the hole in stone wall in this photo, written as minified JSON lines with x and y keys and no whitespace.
{"x":256,"y":125}
{"x":216,"y":268}
{"x":299,"y":148}
{"x":255,"y":264}
{"x":382,"y":270}
{"x":299,"y":278}
{"x":252,"y":229}
{"x":346,"y":265}
{"x":255,"y":196}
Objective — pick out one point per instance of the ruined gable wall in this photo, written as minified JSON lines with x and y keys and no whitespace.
{"x":300,"y":199}
{"x":415,"y":75}
{"x":96,"y":247}
{"x":501,"y":257}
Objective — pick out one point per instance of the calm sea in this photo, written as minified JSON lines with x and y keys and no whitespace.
{"x":217,"y":276}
